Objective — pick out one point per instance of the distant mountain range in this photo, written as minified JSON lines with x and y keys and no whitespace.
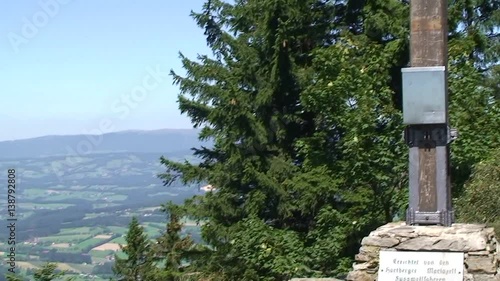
{"x":166,"y":141}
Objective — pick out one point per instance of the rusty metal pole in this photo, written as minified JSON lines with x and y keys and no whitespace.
{"x":425,"y":110}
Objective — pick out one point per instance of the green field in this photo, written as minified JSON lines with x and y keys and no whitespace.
{"x":90,"y":243}
{"x":80,"y":237}
{"x":119,"y":240}
{"x":79,"y":230}
{"x":68,"y":238}
{"x":100,"y":254}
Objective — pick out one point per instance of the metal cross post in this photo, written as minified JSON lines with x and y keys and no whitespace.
{"x":425,"y":111}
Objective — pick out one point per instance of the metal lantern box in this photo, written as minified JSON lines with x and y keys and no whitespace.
{"x":424,"y":95}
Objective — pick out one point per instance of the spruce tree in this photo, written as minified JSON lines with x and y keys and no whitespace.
{"x":171,"y":249}
{"x":247,"y":98}
{"x":138,"y":264}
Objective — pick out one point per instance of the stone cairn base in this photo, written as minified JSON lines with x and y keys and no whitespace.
{"x":478,"y":243}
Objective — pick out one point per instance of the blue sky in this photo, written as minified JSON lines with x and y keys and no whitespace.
{"x":91,"y":66}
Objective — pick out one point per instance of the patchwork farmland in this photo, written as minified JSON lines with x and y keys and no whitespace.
{"x":79,"y":221}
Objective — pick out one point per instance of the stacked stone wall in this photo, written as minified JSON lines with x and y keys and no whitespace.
{"x":478,"y":243}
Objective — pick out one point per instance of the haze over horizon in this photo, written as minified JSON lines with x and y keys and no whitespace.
{"x":104,"y":133}
{"x":92,"y":67}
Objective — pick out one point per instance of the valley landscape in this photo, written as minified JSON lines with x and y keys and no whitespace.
{"x":74,"y":208}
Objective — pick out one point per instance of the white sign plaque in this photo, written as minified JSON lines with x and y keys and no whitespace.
{"x":420,"y":266}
